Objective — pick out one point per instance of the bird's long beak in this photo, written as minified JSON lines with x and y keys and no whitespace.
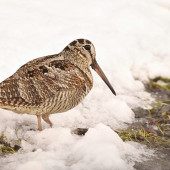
{"x":99,"y":71}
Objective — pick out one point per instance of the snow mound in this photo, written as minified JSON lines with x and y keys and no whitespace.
{"x":57,"y":148}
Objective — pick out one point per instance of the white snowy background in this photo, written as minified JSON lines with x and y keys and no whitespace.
{"x":132,"y":40}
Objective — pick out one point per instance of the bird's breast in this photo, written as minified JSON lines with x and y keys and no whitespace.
{"x":65,"y":100}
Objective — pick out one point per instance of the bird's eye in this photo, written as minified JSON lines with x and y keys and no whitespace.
{"x":87,"y":47}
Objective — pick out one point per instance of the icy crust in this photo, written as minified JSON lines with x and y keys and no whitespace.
{"x":57,"y":148}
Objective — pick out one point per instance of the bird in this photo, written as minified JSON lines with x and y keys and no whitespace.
{"x":52,"y":84}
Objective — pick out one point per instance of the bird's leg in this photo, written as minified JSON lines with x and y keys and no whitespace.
{"x":47,"y":120}
{"x":39,"y":122}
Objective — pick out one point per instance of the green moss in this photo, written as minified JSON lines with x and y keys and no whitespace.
{"x":160,"y":109}
{"x":2,"y":139}
{"x":6,"y":150}
{"x":154,"y":84}
{"x":157,"y":85}
{"x":166,"y":80}
{"x":144,"y":137}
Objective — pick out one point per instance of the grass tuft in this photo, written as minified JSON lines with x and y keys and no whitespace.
{"x":6,"y":148}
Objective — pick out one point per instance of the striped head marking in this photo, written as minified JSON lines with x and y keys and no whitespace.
{"x":84,"y":48}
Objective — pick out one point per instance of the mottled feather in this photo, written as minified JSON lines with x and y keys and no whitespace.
{"x":51,"y":84}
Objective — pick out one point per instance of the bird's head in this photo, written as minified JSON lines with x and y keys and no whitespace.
{"x":84,"y":50}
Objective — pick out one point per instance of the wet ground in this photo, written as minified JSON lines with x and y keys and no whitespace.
{"x":156,"y":122}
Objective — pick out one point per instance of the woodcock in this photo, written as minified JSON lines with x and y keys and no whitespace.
{"x":52,"y":84}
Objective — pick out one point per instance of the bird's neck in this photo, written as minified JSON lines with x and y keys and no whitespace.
{"x":81,"y":63}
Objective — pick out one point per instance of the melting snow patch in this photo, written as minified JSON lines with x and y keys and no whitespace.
{"x":57,"y":148}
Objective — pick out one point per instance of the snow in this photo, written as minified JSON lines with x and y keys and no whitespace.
{"x":132,"y":41}
{"x":57,"y":148}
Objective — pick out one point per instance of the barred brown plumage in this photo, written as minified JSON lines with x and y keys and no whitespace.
{"x":52,"y":84}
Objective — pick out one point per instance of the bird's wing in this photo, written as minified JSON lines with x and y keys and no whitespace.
{"x":36,"y":81}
